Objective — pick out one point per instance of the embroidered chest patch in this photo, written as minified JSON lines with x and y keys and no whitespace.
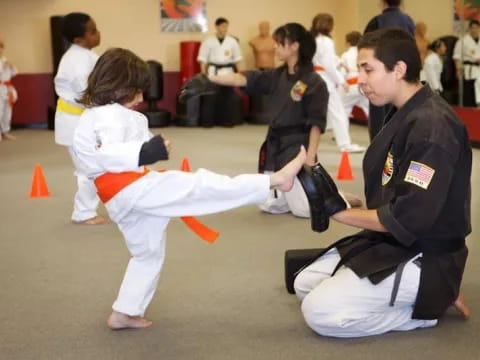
{"x":297,"y":91}
{"x":387,"y":169}
{"x":419,"y":174}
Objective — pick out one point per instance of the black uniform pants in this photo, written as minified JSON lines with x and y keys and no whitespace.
{"x":223,"y":108}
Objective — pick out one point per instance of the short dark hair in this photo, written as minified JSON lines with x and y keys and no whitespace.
{"x":292,"y":32}
{"x":473,"y":22}
{"x":436,"y":44}
{"x":220,"y":21}
{"x":393,"y":3}
{"x":322,"y":24}
{"x":391,"y":46}
{"x":353,"y":38}
{"x":118,"y":75}
{"x":74,"y":25}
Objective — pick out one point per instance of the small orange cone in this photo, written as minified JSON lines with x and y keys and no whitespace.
{"x":345,"y":170}
{"x":39,"y":185}
{"x":185,"y":165}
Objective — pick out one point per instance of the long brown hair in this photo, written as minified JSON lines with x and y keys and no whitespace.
{"x":322,"y":24}
{"x":118,"y":75}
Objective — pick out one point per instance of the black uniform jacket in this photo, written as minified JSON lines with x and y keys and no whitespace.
{"x":295,"y":102}
{"x":417,"y":176}
{"x":392,"y":17}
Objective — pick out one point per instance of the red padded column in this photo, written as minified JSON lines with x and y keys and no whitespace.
{"x":188,"y":60}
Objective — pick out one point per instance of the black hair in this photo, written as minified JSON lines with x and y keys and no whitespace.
{"x":393,"y":3}
{"x":117,"y":77}
{"x":391,"y":46}
{"x":294,"y":32}
{"x":436,"y":44}
{"x":74,"y":25}
{"x":220,"y":21}
{"x":473,"y":22}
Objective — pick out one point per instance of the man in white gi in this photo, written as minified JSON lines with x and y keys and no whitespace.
{"x":219,"y":54}
{"x":467,"y":57}
{"x":71,"y":80}
{"x":351,"y":96}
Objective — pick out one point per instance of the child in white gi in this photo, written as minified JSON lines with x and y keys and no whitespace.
{"x":8,"y":95}
{"x":71,"y":80}
{"x":113,"y":145}
{"x":433,"y":65}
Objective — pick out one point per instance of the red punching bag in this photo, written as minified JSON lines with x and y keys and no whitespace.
{"x":189,"y":65}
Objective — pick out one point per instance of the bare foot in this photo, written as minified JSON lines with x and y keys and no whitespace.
{"x":283,"y":179}
{"x":97,"y":220}
{"x":8,"y":136}
{"x":119,"y":321}
{"x":461,"y":306}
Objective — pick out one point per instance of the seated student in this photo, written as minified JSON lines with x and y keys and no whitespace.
{"x":404,"y":269}
{"x":113,"y":145}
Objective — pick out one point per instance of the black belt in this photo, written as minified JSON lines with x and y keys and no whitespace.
{"x":220,"y":66}
{"x":288,"y":130}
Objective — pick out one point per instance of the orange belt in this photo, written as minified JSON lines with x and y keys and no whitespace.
{"x":318,"y":68}
{"x":352,"y":81}
{"x":11,"y":99}
{"x":109,"y":184}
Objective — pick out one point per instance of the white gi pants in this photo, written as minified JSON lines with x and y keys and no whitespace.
{"x":337,"y":118}
{"x":86,"y":200}
{"x":353,"y":97}
{"x":294,"y":201}
{"x":153,"y":200}
{"x":344,"y":305}
{"x":5,"y":110}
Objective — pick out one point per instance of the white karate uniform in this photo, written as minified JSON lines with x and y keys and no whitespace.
{"x":337,"y":118}
{"x":432,"y":70}
{"x":109,"y":139}
{"x":6,"y":91}
{"x":70,"y":82}
{"x":471,"y":52}
{"x":346,"y":306}
{"x":352,"y":97}
{"x":213,"y":52}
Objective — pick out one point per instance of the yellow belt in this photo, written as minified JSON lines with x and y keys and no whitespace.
{"x":68,"y":108}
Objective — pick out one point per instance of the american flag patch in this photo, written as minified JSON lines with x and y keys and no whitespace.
{"x":419,"y":174}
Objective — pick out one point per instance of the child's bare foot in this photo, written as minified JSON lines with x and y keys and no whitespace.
{"x":461,"y":306}
{"x":8,"y":136}
{"x":283,"y":179}
{"x":97,"y":220}
{"x":119,"y":321}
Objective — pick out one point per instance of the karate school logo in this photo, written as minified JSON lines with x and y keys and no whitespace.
{"x":387,"y":169}
{"x":297,"y":91}
{"x":419,"y":174}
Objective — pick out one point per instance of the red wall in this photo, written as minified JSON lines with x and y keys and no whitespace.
{"x":36,"y":93}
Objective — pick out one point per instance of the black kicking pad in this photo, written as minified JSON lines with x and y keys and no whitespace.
{"x":295,"y":260}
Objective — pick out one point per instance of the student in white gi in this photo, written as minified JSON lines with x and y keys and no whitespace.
{"x":433,"y":65}
{"x":467,"y":56}
{"x":8,"y":95}
{"x":71,"y":80}
{"x":351,"y":95}
{"x":325,"y":64}
{"x":113,"y":145}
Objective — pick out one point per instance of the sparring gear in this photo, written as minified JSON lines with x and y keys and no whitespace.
{"x":153,"y":151}
{"x":295,"y":261}
{"x":323,"y":196}
{"x":196,"y":86}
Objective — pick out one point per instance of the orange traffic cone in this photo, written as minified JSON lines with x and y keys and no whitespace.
{"x":345,"y":170}
{"x":203,"y":231}
{"x":39,"y":185}
{"x":185,"y":165}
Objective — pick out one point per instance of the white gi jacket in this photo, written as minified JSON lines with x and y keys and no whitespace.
{"x":349,"y":60}
{"x":71,"y":80}
{"x":471,"y":52}
{"x":213,"y":52}
{"x":432,"y":69}
{"x":6,"y":74}
{"x":325,"y":57}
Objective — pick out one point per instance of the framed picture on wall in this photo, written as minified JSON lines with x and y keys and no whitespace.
{"x":183,"y":16}
{"x":465,"y":10}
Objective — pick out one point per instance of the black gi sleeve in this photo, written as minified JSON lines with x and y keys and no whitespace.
{"x":371,"y":26}
{"x":153,"y":151}
{"x":259,"y":82}
{"x":315,"y":105}
{"x":417,"y":205}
